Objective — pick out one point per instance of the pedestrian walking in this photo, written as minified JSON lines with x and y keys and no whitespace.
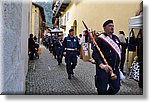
{"x":59,"y":49}
{"x":123,"y":49}
{"x":46,"y":41}
{"x":70,"y":51}
{"x":109,"y":45}
{"x":50,"y":43}
{"x":36,"y":47}
{"x":80,"y":42}
{"x":31,"y":47}
{"x":54,"y":45}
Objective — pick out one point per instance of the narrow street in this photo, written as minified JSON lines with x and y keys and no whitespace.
{"x":46,"y":77}
{"x":70,"y":25}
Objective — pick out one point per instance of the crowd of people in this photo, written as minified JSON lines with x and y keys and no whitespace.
{"x":69,"y":48}
{"x":54,"y":42}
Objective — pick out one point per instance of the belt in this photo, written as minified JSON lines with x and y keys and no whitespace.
{"x":69,"y":49}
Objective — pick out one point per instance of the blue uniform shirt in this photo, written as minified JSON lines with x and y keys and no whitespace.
{"x":70,"y":43}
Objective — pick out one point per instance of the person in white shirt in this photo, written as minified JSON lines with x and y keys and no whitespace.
{"x":80,"y":42}
{"x":80,"y":39}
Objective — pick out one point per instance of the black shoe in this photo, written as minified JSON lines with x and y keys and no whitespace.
{"x":72,"y":73}
{"x":69,"y":76}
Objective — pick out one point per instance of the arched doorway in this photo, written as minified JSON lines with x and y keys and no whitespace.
{"x":75,"y":27}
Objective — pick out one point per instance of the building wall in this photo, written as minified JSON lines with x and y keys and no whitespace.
{"x":1,"y":53}
{"x":36,"y":24}
{"x":14,"y":45}
{"x":35,"y":20}
{"x":40,"y":27}
{"x":95,"y":13}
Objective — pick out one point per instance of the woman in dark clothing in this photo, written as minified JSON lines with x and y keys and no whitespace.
{"x":123,"y":48}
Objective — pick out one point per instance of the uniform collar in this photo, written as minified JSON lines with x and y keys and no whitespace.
{"x":107,"y":34}
{"x":70,"y":37}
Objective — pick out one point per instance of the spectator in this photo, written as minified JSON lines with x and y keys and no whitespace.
{"x":123,"y":49}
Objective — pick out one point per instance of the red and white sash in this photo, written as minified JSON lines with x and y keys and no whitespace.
{"x":112,"y":44}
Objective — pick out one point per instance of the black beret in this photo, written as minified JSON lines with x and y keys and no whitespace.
{"x":71,"y":30}
{"x":107,"y":22}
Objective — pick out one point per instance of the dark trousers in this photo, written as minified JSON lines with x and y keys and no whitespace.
{"x":59,"y":56}
{"x":71,"y":62}
{"x":47,"y":45}
{"x":31,"y":55}
{"x":102,"y":80}
{"x":123,"y":56}
{"x":50,"y":48}
{"x":79,"y":49}
{"x":59,"y":59}
{"x":122,"y":61}
{"x":54,"y":51}
{"x":141,"y":75}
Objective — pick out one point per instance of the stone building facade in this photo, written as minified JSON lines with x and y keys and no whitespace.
{"x":38,"y":20}
{"x":15,"y":16}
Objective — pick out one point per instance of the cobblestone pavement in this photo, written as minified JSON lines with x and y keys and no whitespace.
{"x":46,"y":77}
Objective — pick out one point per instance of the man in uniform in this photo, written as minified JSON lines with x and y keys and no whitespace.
{"x":54,"y":45}
{"x":59,"y":49}
{"x":110,"y":47}
{"x":50,"y":43}
{"x":70,"y":51}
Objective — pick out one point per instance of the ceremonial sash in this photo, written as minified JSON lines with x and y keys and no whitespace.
{"x":112,"y":44}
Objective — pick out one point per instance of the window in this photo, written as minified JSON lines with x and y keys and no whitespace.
{"x":65,"y":20}
{"x":61,"y":21}
{"x":67,"y":16}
